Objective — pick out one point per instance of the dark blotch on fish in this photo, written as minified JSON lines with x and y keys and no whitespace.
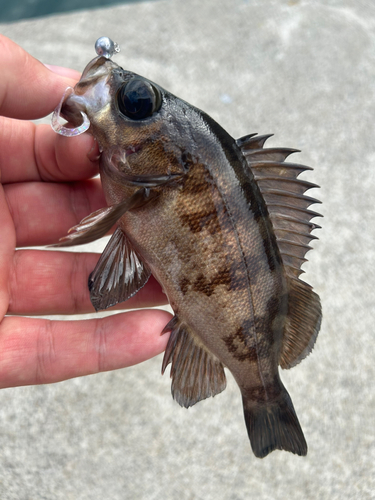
{"x":197,"y":221}
{"x":184,"y":285}
{"x":237,"y":346}
{"x":208,"y":286}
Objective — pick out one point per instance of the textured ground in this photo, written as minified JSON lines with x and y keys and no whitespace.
{"x":304,"y":70}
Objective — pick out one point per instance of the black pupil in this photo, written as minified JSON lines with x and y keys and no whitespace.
{"x":136,"y":99}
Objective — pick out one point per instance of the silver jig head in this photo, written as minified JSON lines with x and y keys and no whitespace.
{"x":106,"y":47}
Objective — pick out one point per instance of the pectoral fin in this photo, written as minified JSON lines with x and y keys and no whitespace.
{"x":196,"y":374}
{"x":119,"y":273}
{"x":100,"y":222}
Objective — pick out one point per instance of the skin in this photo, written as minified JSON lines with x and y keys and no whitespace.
{"x":46,"y":188}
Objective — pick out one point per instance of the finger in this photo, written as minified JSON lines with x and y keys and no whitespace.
{"x":28,"y":89}
{"x":7,"y":245}
{"x":65,"y":72}
{"x":38,"y":351}
{"x":46,"y":282}
{"x":32,"y":152}
{"x":44,"y":212}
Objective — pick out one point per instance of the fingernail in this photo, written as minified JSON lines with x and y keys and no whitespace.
{"x":66,"y":72}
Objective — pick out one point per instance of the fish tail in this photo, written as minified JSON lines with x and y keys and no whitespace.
{"x":274,"y":426}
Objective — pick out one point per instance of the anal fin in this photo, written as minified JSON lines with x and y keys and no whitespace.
{"x":302,"y":324}
{"x":119,"y":273}
{"x":196,"y":373}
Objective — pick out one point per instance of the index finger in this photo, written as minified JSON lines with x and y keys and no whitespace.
{"x":28,"y":89}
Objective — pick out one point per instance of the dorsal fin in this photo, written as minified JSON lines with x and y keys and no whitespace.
{"x":271,"y":154}
{"x":252,"y":141}
{"x":288,"y":207}
{"x":285,"y":198}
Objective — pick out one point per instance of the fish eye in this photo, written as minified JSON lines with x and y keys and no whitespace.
{"x":138,"y":99}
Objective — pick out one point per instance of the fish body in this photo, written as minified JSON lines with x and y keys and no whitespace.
{"x":190,"y":210}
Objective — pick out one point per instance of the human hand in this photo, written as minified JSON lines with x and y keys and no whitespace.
{"x":46,"y":188}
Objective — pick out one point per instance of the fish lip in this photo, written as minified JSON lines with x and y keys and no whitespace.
{"x":90,"y":94}
{"x":96,"y":69}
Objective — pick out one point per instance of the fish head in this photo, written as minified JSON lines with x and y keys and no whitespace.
{"x":141,"y":128}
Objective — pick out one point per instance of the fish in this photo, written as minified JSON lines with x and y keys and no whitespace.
{"x":222,"y":224}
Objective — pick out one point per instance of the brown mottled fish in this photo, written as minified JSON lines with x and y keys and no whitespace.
{"x":222,"y":224}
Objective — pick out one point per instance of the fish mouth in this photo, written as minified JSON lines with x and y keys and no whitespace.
{"x":79,"y":105}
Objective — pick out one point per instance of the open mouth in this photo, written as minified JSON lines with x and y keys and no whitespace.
{"x":70,"y":129}
{"x":89,"y":96}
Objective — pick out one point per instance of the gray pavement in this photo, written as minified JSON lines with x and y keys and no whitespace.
{"x":304,"y":70}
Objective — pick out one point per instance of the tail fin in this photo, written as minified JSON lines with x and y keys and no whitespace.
{"x":274,"y":426}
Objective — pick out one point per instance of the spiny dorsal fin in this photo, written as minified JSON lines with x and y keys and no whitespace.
{"x":118,"y":275}
{"x":285,"y":198}
{"x":302,"y":324}
{"x":288,"y":207}
{"x":270,"y":154}
{"x":196,"y":374}
{"x":252,"y":141}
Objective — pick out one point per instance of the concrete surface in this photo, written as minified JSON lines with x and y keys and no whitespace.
{"x":304,"y":70}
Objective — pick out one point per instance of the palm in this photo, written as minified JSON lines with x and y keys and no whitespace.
{"x":46,"y":189}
